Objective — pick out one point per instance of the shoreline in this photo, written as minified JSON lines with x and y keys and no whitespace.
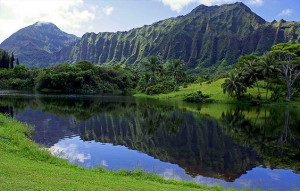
{"x":25,"y":166}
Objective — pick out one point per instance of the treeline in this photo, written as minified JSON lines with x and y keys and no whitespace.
{"x":159,"y":77}
{"x":7,"y":61}
{"x":81,"y":78}
{"x":278,"y":70}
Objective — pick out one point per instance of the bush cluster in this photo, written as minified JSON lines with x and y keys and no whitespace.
{"x":197,"y":97}
{"x":81,"y":78}
{"x":161,"y":88}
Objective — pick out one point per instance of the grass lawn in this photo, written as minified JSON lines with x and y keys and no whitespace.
{"x":215,"y":92}
{"x":24,"y":166}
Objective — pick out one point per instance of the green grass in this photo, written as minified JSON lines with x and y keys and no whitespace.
{"x":215,"y":92}
{"x":25,"y":166}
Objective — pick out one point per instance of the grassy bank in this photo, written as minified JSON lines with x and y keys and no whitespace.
{"x":24,"y":166}
{"x":215,"y":92}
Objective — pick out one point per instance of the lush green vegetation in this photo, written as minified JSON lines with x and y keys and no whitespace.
{"x":24,"y":166}
{"x":7,"y":61}
{"x":85,"y":78}
{"x":197,"y":97}
{"x":154,"y":127}
{"x":82,"y":78}
{"x":279,"y":68}
{"x":208,"y":40}
{"x":160,"y":78}
{"x":271,"y":78}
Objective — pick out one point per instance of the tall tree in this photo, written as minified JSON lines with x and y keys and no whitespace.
{"x":249,"y":67}
{"x":175,"y":69}
{"x":18,"y":63}
{"x":269,"y":67}
{"x":289,"y":56}
{"x":4,"y":59}
{"x":234,"y":85}
{"x":154,"y":66}
{"x":12,"y":59}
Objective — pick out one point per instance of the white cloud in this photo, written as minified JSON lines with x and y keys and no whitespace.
{"x":170,"y":174}
{"x":108,"y":10}
{"x":286,"y":12}
{"x":103,"y":163}
{"x":69,"y":152}
{"x":69,"y":15}
{"x":177,"y":5}
{"x":256,"y":2}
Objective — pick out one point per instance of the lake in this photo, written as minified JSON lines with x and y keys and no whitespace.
{"x":235,"y":146}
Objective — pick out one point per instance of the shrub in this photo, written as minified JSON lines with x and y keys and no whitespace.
{"x":84,"y":65}
{"x":161,"y":88}
{"x":277,"y":93}
{"x":21,"y":84}
{"x":185,"y":85}
{"x":197,"y":97}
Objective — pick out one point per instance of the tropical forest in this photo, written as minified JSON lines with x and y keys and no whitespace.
{"x":163,"y":95}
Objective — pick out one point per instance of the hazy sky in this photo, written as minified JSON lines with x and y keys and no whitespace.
{"x":80,"y":16}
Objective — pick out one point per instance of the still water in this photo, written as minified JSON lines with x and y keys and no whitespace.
{"x":214,"y":144}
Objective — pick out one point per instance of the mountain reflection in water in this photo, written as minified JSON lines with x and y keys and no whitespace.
{"x":212,"y":144}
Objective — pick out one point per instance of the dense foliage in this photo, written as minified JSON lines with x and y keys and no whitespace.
{"x":161,"y":88}
{"x":208,"y":40}
{"x":161,"y":78}
{"x":82,"y":78}
{"x":5,"y":60}
{"x":279,"y":69}
{"x":197,"y":97}
{"x":19,"y":78}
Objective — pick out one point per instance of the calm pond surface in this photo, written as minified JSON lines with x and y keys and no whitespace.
{"x":213,"y":144}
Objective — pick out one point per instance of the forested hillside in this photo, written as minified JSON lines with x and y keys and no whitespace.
{"x":207,"y":40}
{"x":208,"y":37}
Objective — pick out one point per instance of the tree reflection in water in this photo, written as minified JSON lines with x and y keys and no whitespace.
{"x":223,"y":148}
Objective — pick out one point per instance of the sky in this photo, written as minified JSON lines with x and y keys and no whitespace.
{"x":81,"y":16}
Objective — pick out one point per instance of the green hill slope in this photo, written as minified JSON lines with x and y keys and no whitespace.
{"x":205,"y":39}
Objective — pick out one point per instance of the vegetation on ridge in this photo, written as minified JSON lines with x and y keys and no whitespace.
{"x":208,"y":40}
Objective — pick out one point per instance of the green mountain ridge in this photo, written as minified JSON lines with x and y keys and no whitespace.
{"x":205,"y":39}
{"x":35,"y":44}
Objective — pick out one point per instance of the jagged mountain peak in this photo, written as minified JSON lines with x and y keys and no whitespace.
{"x":205,"y":39}
{"x":240,"y":9}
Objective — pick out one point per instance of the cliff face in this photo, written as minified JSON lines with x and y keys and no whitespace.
{"x":208,"y":37}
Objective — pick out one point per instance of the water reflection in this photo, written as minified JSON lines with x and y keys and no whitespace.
{"x":217,"y":144}
{"x":276,"y":136}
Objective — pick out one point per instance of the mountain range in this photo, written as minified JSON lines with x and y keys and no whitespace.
{"x":34,"y":45}
{"x":208,"y":39}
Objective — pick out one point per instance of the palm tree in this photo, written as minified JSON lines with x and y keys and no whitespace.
{"x":269,"y":67}
{"x":155,"y":66}
{"x":176,"y":70}
{"x":234,"y":85}
{"x":252,"y":73}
